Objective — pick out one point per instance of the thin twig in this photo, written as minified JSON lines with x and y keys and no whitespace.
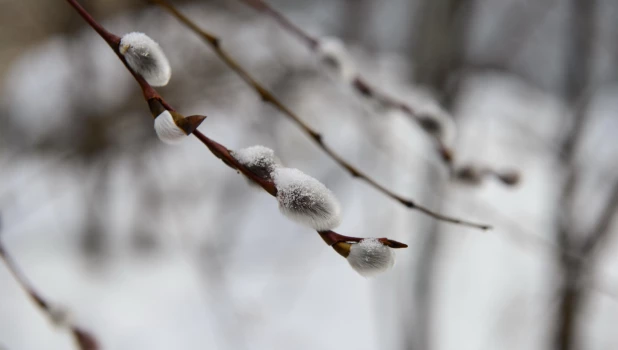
{"x":217,"y":149}
{"x":358,"y":82}
{"x":214,"y":42}
{"x":84,"y":339}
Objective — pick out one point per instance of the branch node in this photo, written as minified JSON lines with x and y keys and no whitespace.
{"x":408,"y":203}
{"x":362,"y":87}
{"x":317,"y":137}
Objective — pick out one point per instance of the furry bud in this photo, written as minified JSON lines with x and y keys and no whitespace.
{"x":172,"y":127}
{"x":167,"y":130}
{"x":306,"y":200}
{"x":146,"y":58}
{"x":370,"y":257}
{"x":259,"y":159}
{"x":334,"y":55}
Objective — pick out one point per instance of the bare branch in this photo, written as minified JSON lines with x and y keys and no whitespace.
{"x":84,"y":339}
{"x":358,"y":83}
{"x":215,"y":43}
{"x":156,"y":102}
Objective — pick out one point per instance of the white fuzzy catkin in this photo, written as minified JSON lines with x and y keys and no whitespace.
{"x":370,"y":257}
{"x":167,"y":130}
{"x":259,"y":159}
{"x":146,"y":58}
{"x":333,"y":53}
{"x":306,"y":200}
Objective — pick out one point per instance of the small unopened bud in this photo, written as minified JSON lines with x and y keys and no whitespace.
{"x":334,"y":55}
{"x":431,"y":125}
{"x":259,"y":159}
{"x":469,"y":174}
{"x":438,"y":123}
{"x":509,"y":177}
{"x":172,"y":127}
{"x":370,"y":256}
{"x":146,"y":58}
{"x":306,"y":200}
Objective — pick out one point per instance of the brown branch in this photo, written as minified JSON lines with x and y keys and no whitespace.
{"x":84,"y":339}
{"x":217,"y":149}
{"x":358,"y":83}
{"x":114,"y":42}
{"x":214,"y":42}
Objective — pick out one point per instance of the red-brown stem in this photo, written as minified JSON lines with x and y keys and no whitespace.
{"x":331,"y":238}
{"x":215,"y":148}
{"x":111,"y":39}
{"x":223,"y":153}
{"x":114,"y":42}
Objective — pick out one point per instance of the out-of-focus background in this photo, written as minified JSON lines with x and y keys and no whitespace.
{"x":157,"y":247}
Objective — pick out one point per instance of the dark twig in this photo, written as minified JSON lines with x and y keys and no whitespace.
{"x":156,"y":102}
{"x":359,"y":83}
{"x":215,"y":43}
{"x":84,"y":339}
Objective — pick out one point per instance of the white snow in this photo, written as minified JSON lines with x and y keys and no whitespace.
{"x":167,"y":130}
{"x":306,"y":200}
{"x":146,"y":57}
{"x":370,"y":257}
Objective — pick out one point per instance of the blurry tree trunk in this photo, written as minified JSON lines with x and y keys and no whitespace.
{"x":440,"y":45}
{"x":579,"y":47}
{"x":580,"y":33}
{"x":439,"y":53}
{"x":428,"y":255}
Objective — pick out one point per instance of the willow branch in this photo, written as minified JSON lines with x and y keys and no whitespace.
{"x":365,"y":88}
{"x":217,"y":149}
{"x":84,"y":339}
{"x":214,"y":42}
{"x":359,"y":83}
